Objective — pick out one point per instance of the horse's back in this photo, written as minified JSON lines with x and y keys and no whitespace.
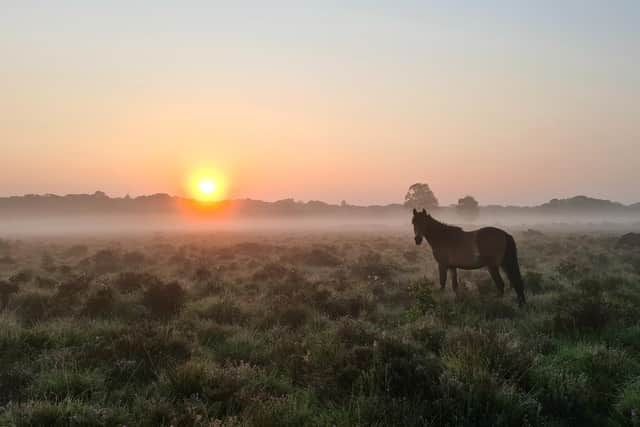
{"x":491,"y":241}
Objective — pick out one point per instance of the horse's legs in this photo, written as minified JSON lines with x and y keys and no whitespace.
{"x":443,"y":275}
{"x":454,"y":279}
{"x":495,"y":275}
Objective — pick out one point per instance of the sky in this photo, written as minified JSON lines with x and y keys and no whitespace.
{"x":513,"y":102}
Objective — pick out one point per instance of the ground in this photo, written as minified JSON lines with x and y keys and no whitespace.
{"x":345,"y":329}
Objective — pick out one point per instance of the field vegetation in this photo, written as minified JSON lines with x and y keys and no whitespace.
{"x":344,"y":329}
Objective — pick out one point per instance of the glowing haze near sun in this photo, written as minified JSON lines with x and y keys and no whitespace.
{"x":206,"y":185}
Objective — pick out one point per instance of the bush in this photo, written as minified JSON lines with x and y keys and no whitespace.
{"x":61,"y":383}
{"x":371,"y":266}
{"x":271,"y":272}
{"x":584,"y":309}
{"x":401,"y":369}
{"x":68,"y":412}
{"x":100,"y":303}
{"x":468,"y":351}
{"x":130,"y":281}
{"x":137,"y":354}
{"x":283,"y":314}
{"x":76,"y":251}
{"x":32,"y":306}
{"x":164,"y":300}
{"x":533,"y":282}
{"x":6,"y":290}
{"x":482,"y":400}
{"x":133,"y":259}
{"x":21,"y":277}
{"x":627,"y":404}
{"x":421,"y":292}
{"x":352,"y":305}
{"x":224,"y":312}
{"x":69,"y":291}
{"x":105,"y":261}
{"x":45,"y":282}
{"x":316,"y":257}
{"x":577,"y":381}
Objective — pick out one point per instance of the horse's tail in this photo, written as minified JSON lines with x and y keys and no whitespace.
{"x":511,"y":267}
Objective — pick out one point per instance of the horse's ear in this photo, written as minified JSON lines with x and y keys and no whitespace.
{"x":424,"y":211}
{"x":415,"y":212}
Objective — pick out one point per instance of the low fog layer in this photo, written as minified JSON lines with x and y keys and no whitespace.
{"x":98,"y":213}
{"x":56,"y":225}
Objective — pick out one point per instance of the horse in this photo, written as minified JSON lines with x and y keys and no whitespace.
{"x":454,"y":248}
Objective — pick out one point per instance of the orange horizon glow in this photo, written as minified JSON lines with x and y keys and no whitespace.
{"x":332,"y":102}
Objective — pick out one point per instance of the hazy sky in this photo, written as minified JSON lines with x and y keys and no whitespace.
{"x":510,"y":101}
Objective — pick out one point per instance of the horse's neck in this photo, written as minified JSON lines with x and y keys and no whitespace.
{"x":436,"y":236}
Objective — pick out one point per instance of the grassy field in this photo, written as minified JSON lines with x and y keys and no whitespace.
{"x":309,"y":329}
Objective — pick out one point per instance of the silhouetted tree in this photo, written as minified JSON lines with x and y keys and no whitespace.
{"x":468,"y":208}
{"x":420,"y":196}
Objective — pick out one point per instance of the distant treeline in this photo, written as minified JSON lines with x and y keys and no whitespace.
{"x":163,"y":204}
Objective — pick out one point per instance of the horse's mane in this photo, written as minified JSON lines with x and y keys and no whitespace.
{"x":444,"y":225}
{"x":441,"y":228}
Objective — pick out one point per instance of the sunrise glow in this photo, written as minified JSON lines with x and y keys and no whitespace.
{"x":206,"y":185}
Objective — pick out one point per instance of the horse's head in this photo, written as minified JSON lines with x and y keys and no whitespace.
{"x":419,"y":222}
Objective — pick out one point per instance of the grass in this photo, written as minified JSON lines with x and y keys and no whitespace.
{"x":345,"y":329}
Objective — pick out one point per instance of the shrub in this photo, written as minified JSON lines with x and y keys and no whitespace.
{"x":69,"y":291}
{"x":482,"y":400}
{"x":130,"y":281}
{"x":352,"y":305}
{"x":627,"y":404}
{"x":6,"y":290}
{"x":401,"y":369}
{"x":105,"y":261}
{"x":292,"y":316}
{"x":585,"y":309}
{"x":271,"y":272}
{"x":533,"y":282}
{"x":137,"y":354}
{"x":316,"y":257}
{"x":100,"y":303}
{"x":21,"y":277}
{"x":76,"y":251}
{"x":133,"y":259}
{"x":70,"y":382}
{"x":62,"y":413}
{"x":372,"y":266}
{"x":468,"y":351}
{"x":430,"y":336}
{"x":45,"y":282}
{"x":164,"y":300}
{"x":32,"y":306}
{"x":577,"y":381}
{"x":421,"y":292}
{"x":222,"y":312}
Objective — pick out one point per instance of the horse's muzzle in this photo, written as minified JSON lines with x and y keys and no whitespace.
{"x":418,"y":240}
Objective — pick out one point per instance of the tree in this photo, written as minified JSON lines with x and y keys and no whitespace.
{"x":420,"y":196}
{"x":468,"y":208}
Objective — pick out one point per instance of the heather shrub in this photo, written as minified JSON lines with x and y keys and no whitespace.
{"x":106,"y":261}
{"x":21,"y":277}
{"x":164,"y":300}
{"x":100,"y":303}
{"x":131,"y":281}
{"x":6,"y":290}
{"x":32,"y":306}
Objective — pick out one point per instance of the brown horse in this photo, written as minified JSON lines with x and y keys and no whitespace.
{"x":454,"y":248}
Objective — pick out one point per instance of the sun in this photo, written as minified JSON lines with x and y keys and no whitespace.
{"x":205,"y":185}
